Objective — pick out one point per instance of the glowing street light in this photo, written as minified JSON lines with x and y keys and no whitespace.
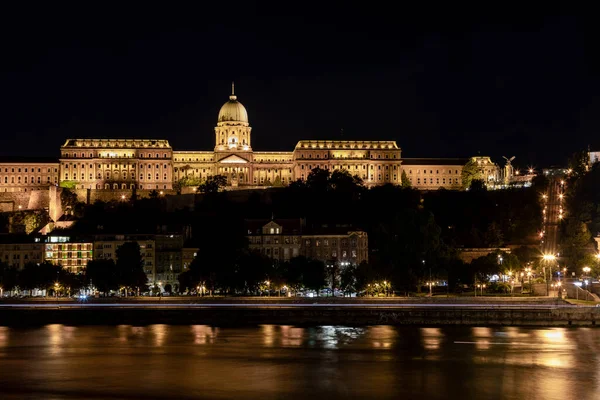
{"x":549,"y":257}
{"x":586,"y":270}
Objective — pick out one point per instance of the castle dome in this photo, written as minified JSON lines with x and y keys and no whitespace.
{"x":233,"y":110}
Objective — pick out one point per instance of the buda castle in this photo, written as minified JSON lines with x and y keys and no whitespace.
{"x":115,"y":166}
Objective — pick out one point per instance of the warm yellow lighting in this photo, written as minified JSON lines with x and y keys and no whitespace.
{"x":586,"y":269}
{"x":549,"y":257}
{"x":161,"y":192}
{"x":122,"y":197}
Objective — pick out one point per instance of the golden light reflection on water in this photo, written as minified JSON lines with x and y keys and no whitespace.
{"x":431,"y":338}
{"x":291,"y":336}
{"x":382,"y":336}
{"x":4,"y":331}
{"x":334,"y":361}
{"x":58,"y":336}
{"x":268,"y":334}
{"x":160,"y":333}
{"x":204,"y":334}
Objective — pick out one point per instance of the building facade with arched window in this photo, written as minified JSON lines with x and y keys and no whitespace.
{"x":148,"y":164}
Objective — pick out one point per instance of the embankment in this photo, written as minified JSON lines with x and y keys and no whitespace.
{"x":221,"y":315}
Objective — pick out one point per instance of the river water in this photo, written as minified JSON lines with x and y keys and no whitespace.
{"x":271,"y":361}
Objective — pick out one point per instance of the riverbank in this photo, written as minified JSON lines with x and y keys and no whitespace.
{"x":245,"y":314}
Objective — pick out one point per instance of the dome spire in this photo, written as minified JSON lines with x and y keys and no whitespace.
{"x":233,"y":96}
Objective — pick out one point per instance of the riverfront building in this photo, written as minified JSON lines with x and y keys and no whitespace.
{"x":112,"y":166}
{"x":283,"y":239}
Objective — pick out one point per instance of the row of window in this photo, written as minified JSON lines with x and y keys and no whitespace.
{"x":437,"y":181}
{"x":115,"y":155}
{"x":123,"y":166}
{"x":437,"y":171}
{"x":49,"y":170}
{"x":326,"y":156}
{"x":125,"y":176}
{"x":27,"y":180}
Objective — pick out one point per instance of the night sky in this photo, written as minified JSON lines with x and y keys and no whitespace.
{"x":443,"y":84}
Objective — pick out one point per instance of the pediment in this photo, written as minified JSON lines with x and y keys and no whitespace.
{"x":233,"y":159}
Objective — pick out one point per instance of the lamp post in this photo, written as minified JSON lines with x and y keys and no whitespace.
{"x":586,"y":274}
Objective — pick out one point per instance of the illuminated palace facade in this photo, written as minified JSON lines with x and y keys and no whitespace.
{"x":127,"y":164}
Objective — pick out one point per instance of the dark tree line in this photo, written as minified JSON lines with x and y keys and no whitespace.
{"x":582,"y":217}
{"x":44,"y":276}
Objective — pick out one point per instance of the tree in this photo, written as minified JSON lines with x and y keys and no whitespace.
{"x":405,"y":181}
{"x":153,"y":194}
{"x":314,"y":275}
{"x":102,"y":274}
{"x":477,"y":185}
{"x":68,"y":199}
{"x":68,"y":184}
{"x":8,"y":277}
{"x":294,"y":271}
{"x":318,"y":180}
{"x":130,"y":266}
{"x":342,"y":181}
{"x":493,"y":236}
{"x":577,"y":239}
{"x":44,"y":276}
{"x":213,"y":184}
{"x":348,"y":279}
{"x":470,"y":172}
{"x":578,"y":162}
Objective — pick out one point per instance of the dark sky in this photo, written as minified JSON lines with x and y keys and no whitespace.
{"x":448,"y":83}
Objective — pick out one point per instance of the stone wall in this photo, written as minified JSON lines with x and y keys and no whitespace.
{"x":469,"y":254}
{"x":32,"y":200}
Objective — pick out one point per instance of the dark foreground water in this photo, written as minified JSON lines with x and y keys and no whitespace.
{"x":185,"y":362}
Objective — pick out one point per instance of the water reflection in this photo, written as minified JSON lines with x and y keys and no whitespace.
{"x":4,"y":331}
{"x":159,"y":332}
{"x":432,"y":338}
{"x":204,"y":334}
{"x":272,"y":361}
